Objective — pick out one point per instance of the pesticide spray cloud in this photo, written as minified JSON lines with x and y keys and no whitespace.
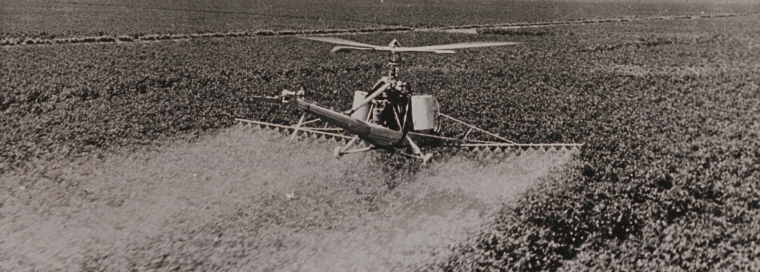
{"x":418,"y":213}
{"x":248,"y":199}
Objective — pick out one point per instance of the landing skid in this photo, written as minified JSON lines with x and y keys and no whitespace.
{"x":339,"y":151}
{"x":347,"y":149}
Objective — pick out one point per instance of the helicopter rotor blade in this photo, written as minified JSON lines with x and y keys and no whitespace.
{"x":461,"y":45}
{"x":439,"y":49}
{"x":342,"y":42}
{"x":420,"y":50}
{"x":397,"y":49}
{"x":349,"y":48}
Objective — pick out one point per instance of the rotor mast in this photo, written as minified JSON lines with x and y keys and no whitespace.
{"x":393,"y":60}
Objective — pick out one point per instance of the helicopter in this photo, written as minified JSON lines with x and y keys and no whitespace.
{"x":390,"y":116}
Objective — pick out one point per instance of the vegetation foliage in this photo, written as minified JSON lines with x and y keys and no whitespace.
{"x":668,"y":111}
{"x":671,"y":176}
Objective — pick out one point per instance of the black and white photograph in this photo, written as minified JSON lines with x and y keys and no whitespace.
{"x":379,"y":135}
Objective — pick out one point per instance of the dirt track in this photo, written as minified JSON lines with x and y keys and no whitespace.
{"x":247,"y":200}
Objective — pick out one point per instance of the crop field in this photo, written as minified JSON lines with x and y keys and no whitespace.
{"x":67,"y":18}
{"x":126,"y":156}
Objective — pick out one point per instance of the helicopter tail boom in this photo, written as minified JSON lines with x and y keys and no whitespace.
{"x":374,"y":134}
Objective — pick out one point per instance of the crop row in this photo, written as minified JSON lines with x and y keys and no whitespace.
{"x":669,"y":175}
{"x":502,"y":29}
{"x":165,"y":37}
{"x":65,"y":19}
{"x":508,"y":28}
